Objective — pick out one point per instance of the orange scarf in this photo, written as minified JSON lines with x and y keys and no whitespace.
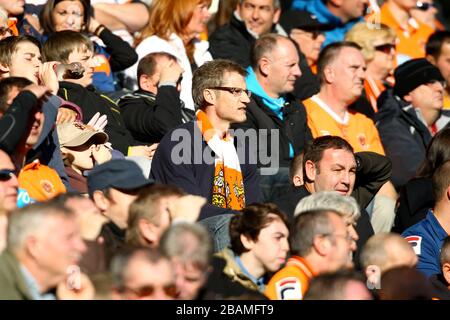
{"x":228,"y":184}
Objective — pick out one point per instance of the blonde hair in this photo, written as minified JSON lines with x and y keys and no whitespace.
{"x":365,"y":34}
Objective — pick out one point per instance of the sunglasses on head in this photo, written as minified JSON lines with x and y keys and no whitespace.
{"x":6,"y":174}
{"x":424,"y":6}
{"x":146,"y":291}
{"x":385,"y":48}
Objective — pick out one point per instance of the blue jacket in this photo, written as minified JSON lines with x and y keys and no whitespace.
{"x":426,"y":238}
{"x":319,"y":9}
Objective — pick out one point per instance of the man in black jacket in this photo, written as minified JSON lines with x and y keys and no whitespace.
{"x":273,"y":114}
{"x":155,"y":108}
{"x":251,"y":20}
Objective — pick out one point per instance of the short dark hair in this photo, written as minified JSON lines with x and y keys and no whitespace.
{"x":441,"y":181}
{"x":8,"y":47}
{"x":329,"y":54}
{"x":61,"y":44}
{"x":250,"y":221}
{"x":331,"y":286}
{"x":211,"y":74}
{"x":435,"y":42}
{"x":314,"y":149}
{"x":147,"y":65}
{"x":46,"y":16}
{"x":6,"y":85}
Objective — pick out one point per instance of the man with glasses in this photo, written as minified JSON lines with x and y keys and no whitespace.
{"x":320,"y":244}
{"x":274,"y":117}
{"x":200,"y":156}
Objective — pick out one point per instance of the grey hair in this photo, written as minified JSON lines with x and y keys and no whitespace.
{"x":329,"y":200}
{"x":189,"y":242}
{"x":32,"y":220}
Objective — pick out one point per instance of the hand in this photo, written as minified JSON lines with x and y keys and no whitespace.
{"x":97,"y":122}
{"x":171,"y":72}
{"x":48,"y":76}
{"x":77,"y":286}
{"x":186,"y":208}
{"x":101,"y":154}
{"x":143,"y":151}
{"x":65,"y":115}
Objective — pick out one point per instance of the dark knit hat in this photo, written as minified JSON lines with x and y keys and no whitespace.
{"x":413,"y":73}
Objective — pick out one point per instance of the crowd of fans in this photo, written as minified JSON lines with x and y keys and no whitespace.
{"x":232,"y":149}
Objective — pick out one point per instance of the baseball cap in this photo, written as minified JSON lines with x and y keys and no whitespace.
{"x":119,"y":174}
{"x":75,"y":134}
{"x":300,"y":19}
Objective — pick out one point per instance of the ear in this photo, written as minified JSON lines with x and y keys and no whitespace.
{"x":276,"y":16}
{"x":446,"y":272}
{"x":247,"y":242}
{"x":209,"y":96}
{"x":329,"y":74}
{"x":148,"y":231}
{"x":264,"y":66}
{"x":101,"y":201}
{"x":297,"y":180}
{"x":310,"y":170}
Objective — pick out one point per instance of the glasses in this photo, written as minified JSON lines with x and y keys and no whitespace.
{"x":146,"y":291}
{"x":6,"y":174}
{"x":424,"y":6}
{"x":386,"y":48}
{"x":237,"y":92}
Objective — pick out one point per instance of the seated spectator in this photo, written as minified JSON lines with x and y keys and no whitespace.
{"x":113,"y":186}
{"x":411,"y":208}
{"x":378,"y":48}
{"x":150,"y":215}
{"x":43,"y":242}
{"x":405,"y":283}
{"x":383,"y":252}
{"x":438,"y":53}
{"x":209,"y":164}
{"x":113,"y":55}
{"x":274,"y":111}
{"x":174,"y":27}
{"x":189,"y":247}
{"x":68,"y":47}
{"x":81,"y":148}
{"x":410,"y":115}
{"x":150,"y":112}
{"x":140,"y":274}
{"x":342,"y":71}
{"x":320,"y":243}
{"x":411,"y":34}
{"x":341,"y":15}
{"x":342,"y":285}
{"x":258,"y":246}
{"x":427,"y":236}
{"x":332,"y":200}
{"x":441,"y":281}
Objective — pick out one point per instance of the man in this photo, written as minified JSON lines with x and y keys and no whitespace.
{"x":43,"y":243}
{"x":189,"y":247}
{"x":320,"y":244}
{"x":341,"y":70}
{"x":427,"y":236}
{"x":140,"y":273}
{"x":410,"y":115}
{"x":411,"y":34}
{"x":199,"y":156}
{"x":340,"y":14}
{"x":385,"y":251}
{"x":155,"y":108}
{"x":113,"y":186}
{"x":441,"y":281}
{"x":251,"y":20}
{"x":274,"y":116}
{"x":438,"y":53}
{"x":259,"y":246}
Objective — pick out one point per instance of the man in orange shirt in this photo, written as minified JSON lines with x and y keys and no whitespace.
{"x":326,"y":247}
{"x":341,"y":72}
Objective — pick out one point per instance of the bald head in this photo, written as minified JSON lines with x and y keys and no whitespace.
{"x":8,"y":184}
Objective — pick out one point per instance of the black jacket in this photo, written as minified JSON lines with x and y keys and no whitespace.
{"x":233,"y":41}
{"x":292,"y":129}
{"x":404,"y":137}
{"x":149,"y":117}
{"x":92,"y":102}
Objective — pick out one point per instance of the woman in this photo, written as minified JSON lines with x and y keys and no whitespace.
{"x":174,"y":27}
{"x":115,"y":55}
{"x":378,"y":48}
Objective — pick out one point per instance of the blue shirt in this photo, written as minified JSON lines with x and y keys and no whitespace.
{"x":427,"y":237}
